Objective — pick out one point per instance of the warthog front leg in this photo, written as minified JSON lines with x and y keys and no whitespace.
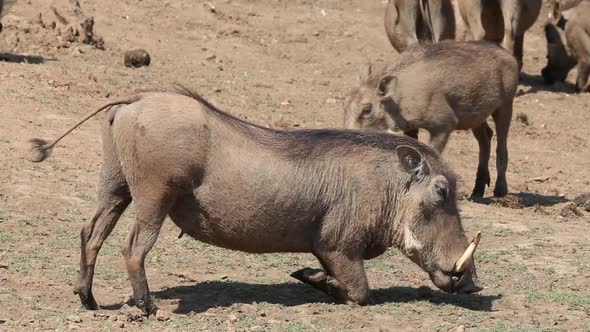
{"x":345,"y":277}
{"x":320,"y":280}
{"x":483,"y":134}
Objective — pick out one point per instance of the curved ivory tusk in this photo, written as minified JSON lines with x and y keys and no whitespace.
{"x":463,"y":262}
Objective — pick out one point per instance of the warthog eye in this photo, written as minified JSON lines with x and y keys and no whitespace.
{"x":367,"y":109}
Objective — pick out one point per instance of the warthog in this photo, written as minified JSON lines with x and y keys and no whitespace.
{"x":503,"y":21}
{"x":567,"y":48}
{"x":442,"y":87}
{"x":344,"y":196}
{"x":412,"y":21}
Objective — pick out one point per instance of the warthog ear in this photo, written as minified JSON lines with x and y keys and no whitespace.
{"x":385,"y":83}
{"x":365,"y":73}
{"x":412,"y":161}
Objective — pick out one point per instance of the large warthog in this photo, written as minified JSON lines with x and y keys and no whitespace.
{"x":442,"y":87}
{"x":567,"y":48}
{"x":344,"y":196}
{"x":503,"y":21}
{"x":417,"y":21}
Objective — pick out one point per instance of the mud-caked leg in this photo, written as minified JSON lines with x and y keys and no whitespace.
{"x":502,"y":120}
{"x":483,"y":134}
{"x":150,"y":214}
{"x":511,"y":13}
{"x":474,"y":20}
{"x":112,"y":202}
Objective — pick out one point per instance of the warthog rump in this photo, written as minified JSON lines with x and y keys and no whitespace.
{"x":342,"y":195}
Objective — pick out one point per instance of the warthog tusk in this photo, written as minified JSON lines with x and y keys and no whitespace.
{"x":463,"y":262}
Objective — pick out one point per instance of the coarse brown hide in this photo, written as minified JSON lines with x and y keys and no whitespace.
{"x":418,"y":21}
{"x":342,"y":195}
{"x":441,"y":88}
{"x":568,"y":45}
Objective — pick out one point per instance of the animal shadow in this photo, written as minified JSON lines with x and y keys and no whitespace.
{"x":536,"y":84}
{"x":522,"y":200}
{"x":17,"y":58}
{"x":203,"y":296}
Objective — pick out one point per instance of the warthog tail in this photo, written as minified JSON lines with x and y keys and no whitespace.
{"x":41,"y":149}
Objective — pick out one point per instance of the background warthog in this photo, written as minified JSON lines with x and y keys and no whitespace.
{"x":412,"y":21}
{"x":239,"y":186}
{"x":567,"y":48}
{"x":442,"y":87}
{"x":503,"y":21}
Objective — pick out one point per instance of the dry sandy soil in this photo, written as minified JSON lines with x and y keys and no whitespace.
{"x":284,"y":64}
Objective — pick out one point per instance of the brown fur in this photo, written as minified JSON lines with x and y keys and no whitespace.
{"x":442,"y":87}
{"x":503,"y":21}
{"x":567,"y":48}
{"x":417,"y":21}
{"x":240,"y":186}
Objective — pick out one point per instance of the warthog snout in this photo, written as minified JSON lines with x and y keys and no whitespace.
{"x":463,"y":277}
{"x":464,"y":283}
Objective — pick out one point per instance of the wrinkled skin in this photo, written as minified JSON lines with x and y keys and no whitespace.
{"x":239,"y":186}
{"x":502,"y":21}
{"x":418,"y":21}
{"x":441,"y":88}
{"x":568,"y":45}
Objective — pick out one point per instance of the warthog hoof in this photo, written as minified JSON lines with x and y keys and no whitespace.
{"x":87,"y":300}
{"x":500,"y":191}
{"x":146,"y":306}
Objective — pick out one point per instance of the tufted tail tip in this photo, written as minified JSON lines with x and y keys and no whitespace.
{"x":40,"y":150}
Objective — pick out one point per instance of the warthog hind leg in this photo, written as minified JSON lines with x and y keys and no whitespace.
{"x":151,"y":209}
{"x":483,"y":134}
{"x":113,"y":199}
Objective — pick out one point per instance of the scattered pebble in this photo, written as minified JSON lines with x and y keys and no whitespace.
{"x":137,"y":58}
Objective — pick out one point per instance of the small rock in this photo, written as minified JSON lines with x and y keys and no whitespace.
{"x":137,"y":58}
{"x":74,"y":319}
{"x":522,"y":118}
{"x":286,"y":103}
{"x":122,"y":325}
{"x":232,"y":318}
{"x":211,"y":57}
{"x":246,"y":308}
{"x":331,"y":101}
{"x":460,"y":328}
{"x":163,"y":315}
{"x":543,"y":126}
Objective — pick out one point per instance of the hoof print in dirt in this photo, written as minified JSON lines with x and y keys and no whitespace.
{"x":137,"y":58}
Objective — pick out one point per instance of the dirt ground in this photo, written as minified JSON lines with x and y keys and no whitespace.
{"x":284,"y":64}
